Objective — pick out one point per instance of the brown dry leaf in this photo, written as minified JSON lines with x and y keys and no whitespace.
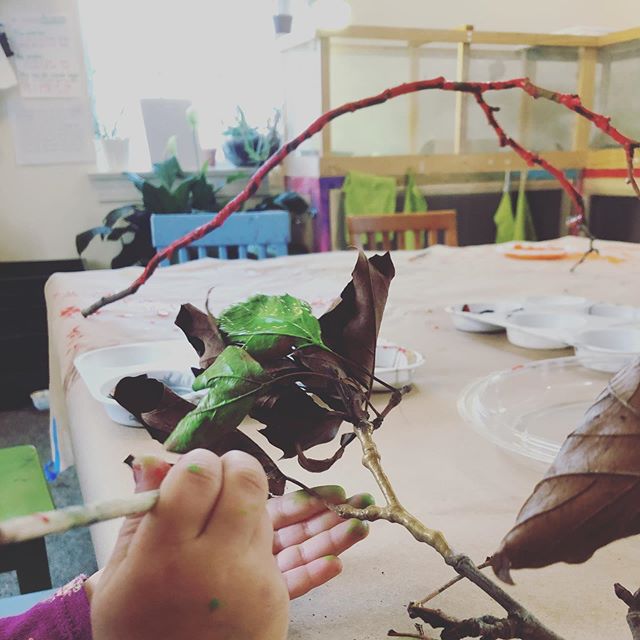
{"x":157,"y":407}
{"x":351,"y":328}
{"x":590,"y":495}
{"x":202,"y":333}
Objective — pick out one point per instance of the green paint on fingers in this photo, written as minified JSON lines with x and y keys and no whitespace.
{"x":364,"y":500}
{"x":214,"y":604}
{"x":195,"y":468}
{"x":332,"y":492}
{"x":358,"y":527}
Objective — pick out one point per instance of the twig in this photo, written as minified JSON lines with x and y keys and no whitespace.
{"x":519,"y":621}
{"x":41,"y":524}
{"x":632,"y":600}
{"x":569,"y":101}
{"x":444,"y":587}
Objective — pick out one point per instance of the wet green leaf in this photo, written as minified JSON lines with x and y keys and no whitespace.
{"x":232,"y":382}
{"x":268,"y":326}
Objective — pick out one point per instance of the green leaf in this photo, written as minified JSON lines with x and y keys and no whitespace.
{"x":138,"y":181}
{"x":232,"y":380}
{"x":168,"y":171}
{"x":203,"y":197}
{"x":83,"y":239}
{"x":116,"y":214}
{"x":269,"y":326}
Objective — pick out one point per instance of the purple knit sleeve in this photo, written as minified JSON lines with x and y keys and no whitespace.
{"x":64,"y":616}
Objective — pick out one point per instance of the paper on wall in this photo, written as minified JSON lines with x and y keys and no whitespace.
{"x":47,"y":59}
{"x":51,"y":131}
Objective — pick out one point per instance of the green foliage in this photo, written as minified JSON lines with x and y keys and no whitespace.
{"x":268,"y":326}
{"x":257,"y":145}
{"x":232,"y":382}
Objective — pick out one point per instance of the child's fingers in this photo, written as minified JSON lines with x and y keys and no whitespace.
{"x":302,"y":579}
{"x":188,"y":495}
{"x":241,"y":505}
{"x":331,"y":542}
{"x":299,"y":505}
{"x":148,"y":473}
{"x":324,"y":520}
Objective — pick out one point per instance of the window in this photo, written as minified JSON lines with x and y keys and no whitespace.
{"x":216,"y":53}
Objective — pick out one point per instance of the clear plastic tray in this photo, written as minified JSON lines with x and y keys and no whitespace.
{"x":530,"y":409}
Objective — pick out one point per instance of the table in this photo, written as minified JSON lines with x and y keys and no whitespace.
{"x":445,"y":473}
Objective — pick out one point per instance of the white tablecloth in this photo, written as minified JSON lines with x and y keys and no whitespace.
{"x":443,"y":471}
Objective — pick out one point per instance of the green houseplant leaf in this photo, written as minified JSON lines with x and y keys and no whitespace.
{"x":168,"y":171}
{"x":232,"y":380}
{"x":268,"y":326}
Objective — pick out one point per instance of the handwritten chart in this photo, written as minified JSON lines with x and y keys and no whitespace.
{"x":46,"y":59}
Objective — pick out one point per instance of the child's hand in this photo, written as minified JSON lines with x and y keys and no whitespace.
{"x":308,"y":537}
{"x":200,"y":564}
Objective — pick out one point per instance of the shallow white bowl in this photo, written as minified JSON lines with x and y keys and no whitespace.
{"x":607,"y":349}
{"x":606,"y":310}
{"x":395,"y":365}
{"x":563,"y":303}
{"x":463,"y":322}
{"x":543,"y":330}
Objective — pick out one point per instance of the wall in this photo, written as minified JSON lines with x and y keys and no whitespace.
{"x":496,"y":15}
{"x":42,"y":207}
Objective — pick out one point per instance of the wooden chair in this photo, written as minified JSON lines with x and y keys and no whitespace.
{"x":425,"y":228}
{"x":263,"y":233}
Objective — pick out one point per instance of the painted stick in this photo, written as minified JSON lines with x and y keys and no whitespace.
{"x":44,"y":523}
{"x":569,"y":101}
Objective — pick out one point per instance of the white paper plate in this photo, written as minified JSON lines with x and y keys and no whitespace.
{"x":530,"y":409}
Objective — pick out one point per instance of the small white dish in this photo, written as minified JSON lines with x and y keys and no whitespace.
{"x":609,"y":349}
{"x":463,"y":322}
{"x":563,"y":303}
{"x":543,"y":330}
{"x":395,"y":365}
{"x":616,"y":311}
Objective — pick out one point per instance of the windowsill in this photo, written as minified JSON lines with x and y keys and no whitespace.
{"x":115,"y":189}
{"x":217,"y":171}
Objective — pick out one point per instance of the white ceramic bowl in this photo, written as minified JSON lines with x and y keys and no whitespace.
{"x":607,"y":349}
{"x":563,"y":303}
{"x":463,"y":322}
{"x":543,"y":330}
{"x":395,"y":365}
{"x":606,"y":310}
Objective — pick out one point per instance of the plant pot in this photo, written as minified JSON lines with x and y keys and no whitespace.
{"x":116,"y":152}
{"x":282,"y":23}
{"x":236,"y":152}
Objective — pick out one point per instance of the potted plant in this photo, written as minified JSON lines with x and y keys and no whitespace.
{"x":115,"y":147}
{"x":247,"y":146}
{"x":124,"y":238}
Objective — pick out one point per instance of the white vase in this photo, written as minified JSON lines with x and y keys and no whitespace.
{"x":116,"y":153}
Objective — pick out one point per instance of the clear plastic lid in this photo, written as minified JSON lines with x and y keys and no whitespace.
{"x":531,"y":408}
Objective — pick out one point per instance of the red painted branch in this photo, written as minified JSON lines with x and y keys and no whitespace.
{"x":569,"y":101}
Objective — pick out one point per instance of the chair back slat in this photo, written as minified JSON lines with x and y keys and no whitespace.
{"x":263,"y":233}
{"x":423,"y":227}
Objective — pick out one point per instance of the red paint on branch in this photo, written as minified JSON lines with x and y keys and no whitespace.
{"x":569,"y":101}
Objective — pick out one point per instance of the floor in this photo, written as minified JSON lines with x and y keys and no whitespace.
{"x":70,"y":553}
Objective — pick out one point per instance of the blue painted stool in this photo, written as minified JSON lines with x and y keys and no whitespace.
{"x":264,"y":233}
{"x":16,"y":605}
